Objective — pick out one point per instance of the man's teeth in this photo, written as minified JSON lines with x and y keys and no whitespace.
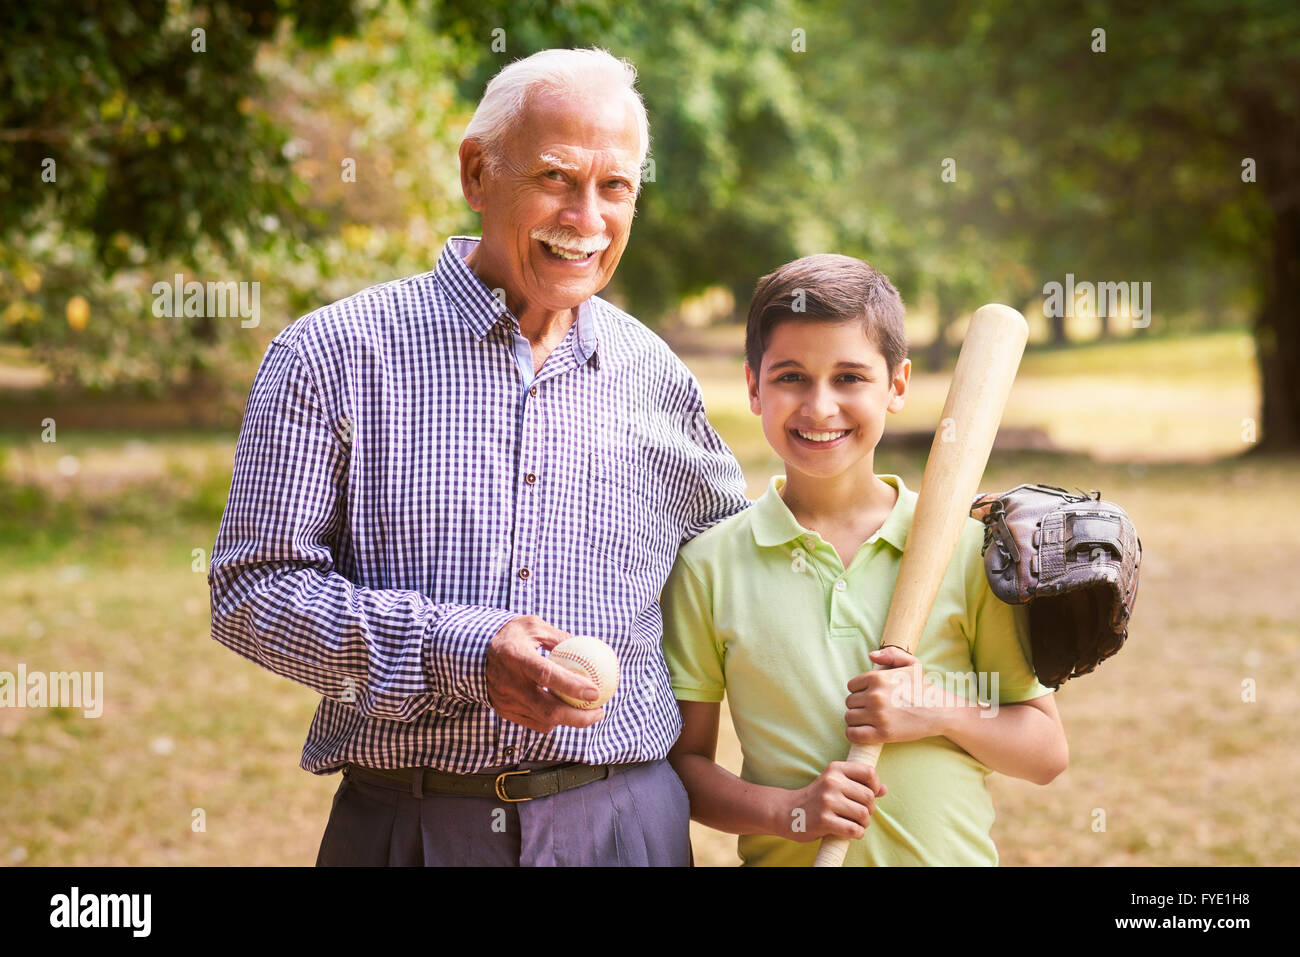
{"x":566,"y":253}
{"x":821,"y":436}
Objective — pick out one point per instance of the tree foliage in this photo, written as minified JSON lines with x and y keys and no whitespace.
{"x":1135,"y":142}
{"x":779,"y":128}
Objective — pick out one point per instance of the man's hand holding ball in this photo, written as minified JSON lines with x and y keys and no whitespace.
{"x":517,"y":675}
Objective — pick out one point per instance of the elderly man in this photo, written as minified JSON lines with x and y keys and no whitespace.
{"x":441,"y":476}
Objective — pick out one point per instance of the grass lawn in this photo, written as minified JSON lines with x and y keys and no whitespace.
{"x":99,"y":571}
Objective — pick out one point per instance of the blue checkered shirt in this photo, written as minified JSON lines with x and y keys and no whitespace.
{"x":404,"y":485}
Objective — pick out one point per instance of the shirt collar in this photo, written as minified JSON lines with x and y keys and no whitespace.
{"x":481,"y":310}
{"x":774,"y":523}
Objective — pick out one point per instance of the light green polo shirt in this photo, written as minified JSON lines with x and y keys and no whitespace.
{"x":762,"y":610}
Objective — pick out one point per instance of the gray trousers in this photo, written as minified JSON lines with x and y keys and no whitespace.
{"x":639,"y":816}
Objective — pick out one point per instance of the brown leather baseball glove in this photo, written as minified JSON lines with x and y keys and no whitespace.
{"x":1073,"y":559}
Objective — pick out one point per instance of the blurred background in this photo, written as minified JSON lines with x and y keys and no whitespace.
{"x":971,"y":151}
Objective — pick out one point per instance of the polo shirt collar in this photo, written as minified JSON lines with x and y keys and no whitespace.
{"x":774,"y":524}
{"x":481,"y":311}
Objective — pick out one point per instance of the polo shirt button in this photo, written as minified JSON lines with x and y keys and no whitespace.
{"x":841,"y":585}
{"x":523,"y":573}
{"x":810,"y":542}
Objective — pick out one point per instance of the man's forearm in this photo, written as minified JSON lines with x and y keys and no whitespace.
{"x":390,"y":654}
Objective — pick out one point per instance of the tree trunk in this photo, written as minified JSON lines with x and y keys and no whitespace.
{"x":937,"y":352}
{"x":1059,"y":338}
{"x":1277,"y":336}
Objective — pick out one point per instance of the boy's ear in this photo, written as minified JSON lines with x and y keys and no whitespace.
{"x":751,"y":382}
{"x":898,"y":385}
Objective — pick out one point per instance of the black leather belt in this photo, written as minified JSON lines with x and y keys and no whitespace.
{"x":512,"y":786}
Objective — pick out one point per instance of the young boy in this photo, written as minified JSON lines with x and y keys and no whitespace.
{"x":782,"y":604}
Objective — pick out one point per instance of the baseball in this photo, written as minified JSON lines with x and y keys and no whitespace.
{"x":594,"y":660}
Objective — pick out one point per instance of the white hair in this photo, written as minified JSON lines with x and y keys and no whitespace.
{"x":551,"y":71}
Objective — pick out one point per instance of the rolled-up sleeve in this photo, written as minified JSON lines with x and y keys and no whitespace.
{"x":277,"y":596}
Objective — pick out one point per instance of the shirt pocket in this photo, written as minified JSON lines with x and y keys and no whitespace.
{"x":629,"y":519}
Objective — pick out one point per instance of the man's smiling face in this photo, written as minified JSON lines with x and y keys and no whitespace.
{"x":557,"y":206}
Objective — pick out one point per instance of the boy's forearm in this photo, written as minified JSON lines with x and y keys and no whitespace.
{"x":724,"y":802}
{"x":1019,"y":739}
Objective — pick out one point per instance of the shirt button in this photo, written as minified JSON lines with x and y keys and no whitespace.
{"x":533,"y":391}
{"x":841,"y":585}
{"x":810,"y":542}
{"x":523,"y":573}
{"x":530,"y":478}
{"x":510,"y":751}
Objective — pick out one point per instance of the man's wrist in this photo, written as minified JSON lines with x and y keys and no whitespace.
{"x":456,"y":651}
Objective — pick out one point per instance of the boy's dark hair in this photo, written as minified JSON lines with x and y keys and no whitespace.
{"x":827,"y":287}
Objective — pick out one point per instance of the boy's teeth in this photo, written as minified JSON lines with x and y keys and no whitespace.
{"x":822,"y":436}
{"x":566,"y":253}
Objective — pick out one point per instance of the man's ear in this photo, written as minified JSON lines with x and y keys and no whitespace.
{"x":751,"y":382}
{"x":471,"y":173}
{"x":898,"y":383}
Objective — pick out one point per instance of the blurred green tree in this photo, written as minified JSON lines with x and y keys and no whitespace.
{"x":972,"y":149}
{"x":132,"y":132}
{"x":136,"y":118}
{"x":1154,"y":143}
{"x":192,"y":161}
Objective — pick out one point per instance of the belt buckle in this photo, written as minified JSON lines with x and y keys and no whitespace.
{"x":500,"y":787}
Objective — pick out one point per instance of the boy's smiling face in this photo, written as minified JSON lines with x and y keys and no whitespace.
{"x":823,"y":392}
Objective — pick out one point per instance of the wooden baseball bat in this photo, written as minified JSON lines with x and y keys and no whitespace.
{"x":986,"y":369}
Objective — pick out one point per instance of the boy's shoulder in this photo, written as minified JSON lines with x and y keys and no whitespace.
{"x":724,"y":542}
